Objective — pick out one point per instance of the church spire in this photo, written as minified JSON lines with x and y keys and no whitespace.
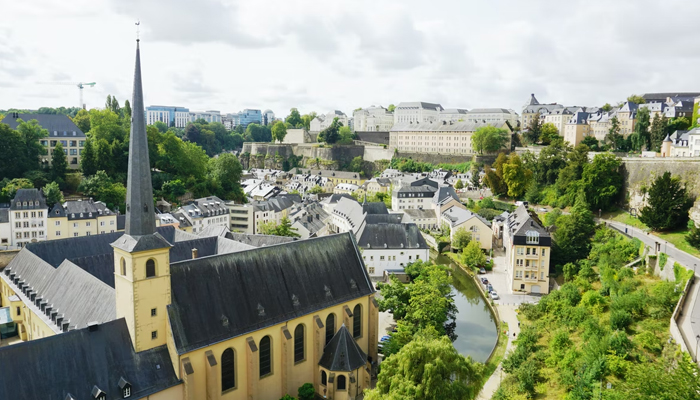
{"x":140,"y":215}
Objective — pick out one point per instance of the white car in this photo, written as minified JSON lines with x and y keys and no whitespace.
{"x":494,"y":295}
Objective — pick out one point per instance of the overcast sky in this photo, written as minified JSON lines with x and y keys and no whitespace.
{"x":321,"y":55}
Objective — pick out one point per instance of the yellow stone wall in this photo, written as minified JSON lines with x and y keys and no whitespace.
{"x":81,"y":227}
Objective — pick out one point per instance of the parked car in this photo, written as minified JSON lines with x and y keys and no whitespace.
{"x":489,"y":288}
{"x":384,"y":338}
{"x":482,"y":270}
{"x":494,"y":295}
{"x":484,"y":281}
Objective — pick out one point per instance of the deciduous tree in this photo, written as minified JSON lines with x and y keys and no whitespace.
{"x":548,"y":133}
{"x":53,"y":194}
{"x":601,"y":181}
{"x":516,"y":176}
{"x":294,"y":118}
{"x":461,"y":238}
{"x":489,"y":139}
{"x":635,"y":98}
{"x":572,"y":238}
{"x":667,"y":204}
{"x":614,"y":138}
{"x":59,"y":165}
{"x":13,"y":154}
{"x":225,"y":171}
{"x":82,"y":120}
{"x":472,"y":256}
{"x":534,"y":129}
{"x":279,"y":131}
{"x":494,"y":176}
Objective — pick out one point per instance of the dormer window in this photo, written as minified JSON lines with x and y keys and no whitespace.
{"x":98,"y":394}
{"x":125,"y":387}
{"x":532,"y":237}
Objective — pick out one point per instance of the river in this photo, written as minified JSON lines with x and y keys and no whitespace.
{"x":475,"y":326}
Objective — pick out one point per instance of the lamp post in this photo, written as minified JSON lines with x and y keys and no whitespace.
{"x":697,"y":339}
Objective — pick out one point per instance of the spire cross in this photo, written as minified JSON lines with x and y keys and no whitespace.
{"x":138,"y":26}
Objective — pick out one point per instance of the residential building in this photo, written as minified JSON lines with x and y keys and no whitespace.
{"x":158,"y":313}
{"x":268,"y":117}
{"x":27,"y":216}
{"x":417,"y":112}
{"x":460,"y":218}
{"x":272,"y":210}
{"x":61,"y":129}
{"x":445,"y":197}
{"x":322,"y":122}
{"x":209,"y":116}
{"x":390,"y":246}
{"x":559,"y":118}
{"x":167,"y":219}
{"x":528,"y":250}
{"x":206,"y":211}
{"x":627,"y":115}
{"x":682,"y":144}
{"x":348,"y":188}
{"x":577,"y":128}
{"x":533,"y":109}
{"x":80,"y":218}
{"x":5,"y":229}
{"x":436,"y":137}
{"x":493,"y":116}
{"x":242,"y":217}
{"x":378,"y":185}
{"x":694,"y":142}
{"x":417,"y":194}
{"x":373,"y":119}
{"x":172,"y":116}
{"x":330,"y":202}
{"x":184,"y":224}
{"x":425,"y":218}
{"x":453,"y":114}
{"x":310,"y":220}
{"x":336,"y":177}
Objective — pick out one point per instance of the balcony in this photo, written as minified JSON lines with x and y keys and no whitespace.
{"x":532,"y":256}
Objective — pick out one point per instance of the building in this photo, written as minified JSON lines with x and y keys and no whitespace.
{"x":417,"y":112}
{"x":378,"y":185}
{"x":417,"y":194}
{"x":5,"y":229}
{"x":336,"y":177}
{"x":533,"y":109}
{"x":209,"y":116}
{"x":682,"y":144}
{"x":390,"y":246}
{"x":375,"y":138}
{"x":528,"y":250}
{"x":348,"y":188}
{"x":373,"y":119}
{"x":177,"y":117}
{"x":206,"y":211}
{"x":493,"y":116}
{"x":445,"y":197}
{"x":80,"y":218}
{"x":577,"y":128}
{"x":245,"y":118}
{"x":321,"y":122}
{"x":453,"y":114}
{"x":242,"y":217}
{"x":61,"y":129}
{"x":460,"y":218}
{"x":186,"y":317}
{"x":436,"y":137}
{"x":627,"y":115}
{"x":28,"y":217}
{"x":310,"y":220}
{"x":273,"y":210}
{"x":268,"y":117}
{"x":423,"y":217}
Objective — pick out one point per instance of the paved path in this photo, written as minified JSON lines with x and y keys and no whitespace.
{"x":508,"y":314}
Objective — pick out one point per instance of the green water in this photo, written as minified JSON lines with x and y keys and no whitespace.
{"x":475,"y":326}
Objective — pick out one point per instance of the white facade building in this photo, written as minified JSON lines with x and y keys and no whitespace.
{"x":417,"y":112}
{"x":373,"y":119}
{"x":28,"y":217}
{"x":5,"y":229}
{"x":322,"y":122}
{"x":209,"y":116}
{"x":169,"y":115}
{"x":390,"y":246}
{"x":493,"y":116}
{"x":453,"y":114}
{"x":207,"y":211}
{"x":436,"y":137}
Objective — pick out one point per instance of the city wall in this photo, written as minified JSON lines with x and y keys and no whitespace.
{"x":6,"y":256}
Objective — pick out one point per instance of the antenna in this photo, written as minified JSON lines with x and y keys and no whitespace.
{"x":138,"y":26}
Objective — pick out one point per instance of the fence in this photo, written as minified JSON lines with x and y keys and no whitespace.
{"x":676,"y":331}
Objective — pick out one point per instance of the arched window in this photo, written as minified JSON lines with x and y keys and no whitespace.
{"x":150,"y":268}
{"x":299,"y":343}
{"x":228,"y":370}
{"x":324,"y":378}
{"x":123,"y":263}
{"x":341,"y":382}
{"x":265,"y":356}
{"x":330,"y":327}
{"x":357,"y":321}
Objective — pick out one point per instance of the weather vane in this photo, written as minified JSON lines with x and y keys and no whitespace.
{"x":138,"y":25}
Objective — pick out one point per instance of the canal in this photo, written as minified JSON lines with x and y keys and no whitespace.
{"x":475,"y":325}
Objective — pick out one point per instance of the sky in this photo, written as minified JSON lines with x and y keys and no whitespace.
{"x":228,"y":55}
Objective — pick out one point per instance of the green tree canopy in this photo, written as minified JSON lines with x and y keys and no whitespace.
{"x":331,"y":134}
{"x":294,"y":118}
{"x":534,"y":130}
{"x":614,"y":138}
{"x":494,"y":176}
{"x":472,"y":256}
{"x":13,"y":153}
{"x":284,"y":228}
{"x":391,"y":108}
{"x":634,"y":98}
{"x":10,"y":188}
{"x":606,"y":107}
{"x":87,"y":160}
{"x":667,"y":204}
{"x":516,"y":176}
{"x":59,"y":164}
{"x":459,"y":184}
{"x":31,"y":132}
{"x":279,"y":131}
{"x":82,"y":120}
{"x":461,"y":238}
{"x":161,"y":126}
{"x":548,"y":133}
{"x":602,"y":181}
{"x":572,"y":238}
{"x":53,"y":194}
{"x":225,"y":171}
{"x":489,"y":139}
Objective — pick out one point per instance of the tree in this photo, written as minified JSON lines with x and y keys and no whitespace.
{"x":102,"y":188}
{"x":105,"y":124}
{"x":667,"y":204}
{"x":591,"y":142}
{"x":283,"y":229}
{"x":316,"y":190}
{"x":489,"y":139}
{"x":87,"y":161}
{"x":103,"y":157}
{"x":550,"y":161}
{"x":294,"y":118}
{"x":391,"y":108}
{"x":82,"y":120}
{"x":13,"y":154}
{"x":516,"y":176}
{"x":459,"y":184}
{"x":173,"y":189}
{"x":636,"y":99}
{"x":331,"y":134}
{"x":693,"y":236}
{"x":225,"y":171}
{"x":602,"y":181}
{"x":306,"y":120}
{"x":548,"y":133}
{"x":279,"y":131}
{"x":59,"y":165}
{"x":461,"y":238}
{"x":641,"y":139}
{"x":126,"y":111}
{"x":53,"y":194}
{"x":534,"y":129}
{"x":572,"y":239}
{"x":614,"y":138}
{"x":306,"y":392}
{"x":427,"y":368}
{"x":31,"y":132}
{"x":658,"y":132}
{"x":494,"y":177}
{"x":606,"y":107}
{"x":161,"y":126}
{"x":11,"y":188}
{"x":472,"y":256}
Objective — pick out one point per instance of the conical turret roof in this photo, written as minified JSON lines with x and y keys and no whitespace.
{"x":342,"y":353}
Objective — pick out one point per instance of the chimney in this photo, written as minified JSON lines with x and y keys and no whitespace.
{"x":195,"y":253}
{"x":93,"y":326}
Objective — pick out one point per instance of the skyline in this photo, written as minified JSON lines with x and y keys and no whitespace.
{"x":319,"y":57}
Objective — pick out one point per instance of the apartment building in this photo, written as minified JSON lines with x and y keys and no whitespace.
{"x":533,"y":109}
{"x":205,"y":212}
{"x":209,"y":116}
{"x":454,"y":114}
{"x":493,"y":116}
{"x":173,"y":116}
{"x":528,"y":250}
{"x":322,"y":122}
{"x":242,"y":217}
{"x":373,"y":119}
{"x":28,"y":217}
{"x":416,"y":194}
{"x":460,"y":218}
{"x":417,"y":112}
{"x":577,"y":128}
{"x":61,"y":129}
{"x":437,"y":137}
{"x":682,"y":144}
{"x":390,"y":246}
{"x":80,"y":218}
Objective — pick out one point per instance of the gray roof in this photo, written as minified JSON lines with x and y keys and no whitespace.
{"x":420,"y":104}
{"x":454,"y":111}
{"x":74,"y":209}
{"x":520,"y":222}
{"x":258,"y":240}
{"x":420,"y":213}
{"x":663,"y":96}
{"x":342,"y":353}
{"x":133,"y":244}
{"x":489,"y":111}
{"x":140,"y":213}
{"x":390,"y":236}
{"x":417,"y":189}
{"x":462,"y":126}
{"x":335,"y":198}
{"x":532,"y":101}
{"x":445,"y":194}
{"x":374,"y":208}
{"x":311,"y":216}
{"x":75,"y":362}
{"x":458,"y":215}
{"x":52,"y":123}
{"x":30,"y":196}
{"x":331,"y":174}
{"x":258,"y":288}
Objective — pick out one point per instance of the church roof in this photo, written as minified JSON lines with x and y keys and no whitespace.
{"x":218,"y":298}
{"x":342,"y":353}
{"x":75,"y":362}
{"x":133,"y":244}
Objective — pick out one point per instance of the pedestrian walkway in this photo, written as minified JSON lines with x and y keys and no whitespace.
{"x":508,"y":314}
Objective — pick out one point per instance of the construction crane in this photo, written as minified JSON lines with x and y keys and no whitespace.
{"x":80,"y":86}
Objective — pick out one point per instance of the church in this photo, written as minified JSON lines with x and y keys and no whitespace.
{"x":164,"y":314}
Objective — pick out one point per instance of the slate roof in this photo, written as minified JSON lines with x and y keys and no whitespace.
{"x":420,"y":104}
{"x":520,"y":222}
{"x":458,"y":215}
{"x":133,"y":244}
{"x":74,"y":362}
{"x":490,"y":110}
{"x":73,"y":210}
{"x":342,"y":353}
{"x":462,"y":126}
{"x":258,"y":240}
{"x":420,"y":213}
{"x":50,"y":122}
{"x":31,"y":196}
{"x":331,"y":174}
{"x":375,"y":208}
{"x":335,"y":198}
{"x":444,"y":194}
{"x":262,"y":287}
{"x":393,"y":236}
{"x":383,"y":218}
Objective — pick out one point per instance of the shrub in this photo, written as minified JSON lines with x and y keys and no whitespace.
{"x":306,"y":391}
{"x":662,"y":261}
{"x":489,"y":213}
{"x":648,"y":341}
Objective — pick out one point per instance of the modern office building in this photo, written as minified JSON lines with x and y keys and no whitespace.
{"x":209,"y":116}
{"x":172,"y":116}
